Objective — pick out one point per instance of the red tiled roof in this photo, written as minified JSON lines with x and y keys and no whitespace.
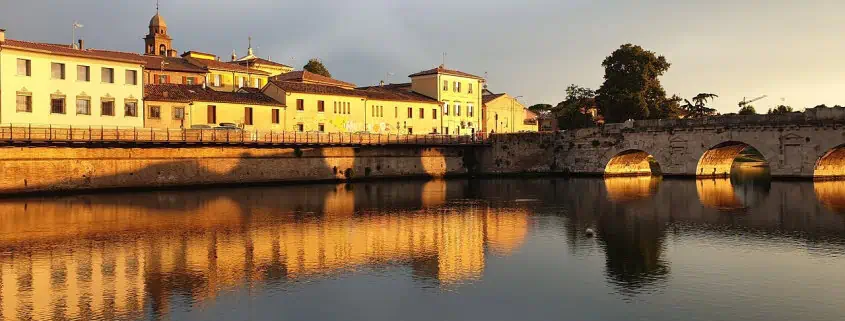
{"x":171,"y":64}
{"x":66,"y":50}
{"x":309,"y":88}
{"x":219,"y":65}
{"x":257,"y":60}
{"x":305,"y":76}
{"x":441,"y":70}
{"x":191,"y":93}
{"x":488,"y":98}
{"x":396,"y":94}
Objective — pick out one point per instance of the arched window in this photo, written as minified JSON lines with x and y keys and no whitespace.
{"x":151,"y":49}
{"x":162,"y":50}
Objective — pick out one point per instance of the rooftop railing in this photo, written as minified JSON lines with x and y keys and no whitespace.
{"x":57,"y":134}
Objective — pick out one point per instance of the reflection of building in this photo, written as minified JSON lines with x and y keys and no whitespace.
{"x":167,"y":244}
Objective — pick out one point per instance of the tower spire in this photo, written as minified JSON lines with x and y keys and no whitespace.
{"x":156,"y":6}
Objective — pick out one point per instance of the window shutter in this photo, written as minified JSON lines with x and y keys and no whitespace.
{"x":184,"y":79}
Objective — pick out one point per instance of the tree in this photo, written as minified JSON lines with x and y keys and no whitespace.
{"x":631,"y":88}
{"x":780,"y":110}
{"x":575,"y":111}
{"x":698,"y":107}
{"x":747,"y":110}
{"x":316,"y":66}
{"x":540,"y":107}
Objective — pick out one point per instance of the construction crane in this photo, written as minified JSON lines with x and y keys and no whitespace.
{"x":746,"y":102}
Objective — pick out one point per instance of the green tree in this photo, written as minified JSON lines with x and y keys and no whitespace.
{"x":780,"y":110}
{"x":574,"y":112}
{"x":747,"y":110}
{"x":540,"y":107}
{"x":631,"y":88}
{"x":698,"y":107}
{"x":316,"y":66}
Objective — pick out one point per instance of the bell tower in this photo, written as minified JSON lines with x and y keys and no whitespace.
{"x":157,"y":42}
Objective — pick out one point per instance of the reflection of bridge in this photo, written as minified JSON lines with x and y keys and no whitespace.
{"x":114,"y":256}
{"x":808,"y":144}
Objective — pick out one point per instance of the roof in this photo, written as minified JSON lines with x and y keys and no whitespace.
{"x":197,"y":52}
{"x":396,"y":94}
{"x":191,"y":93}
{"x":157,"y":21}
{"x":442,"y":70}
{"x":219,"y":65}
{"x":257,"y":60}
{"x":310,"y":77}
{"x":488,"y":98}
{"x":171,"y":64}
{"x":65,"y":50}
{"x":309,"y":88}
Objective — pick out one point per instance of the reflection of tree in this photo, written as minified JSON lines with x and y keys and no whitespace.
{"x":633,"y":247}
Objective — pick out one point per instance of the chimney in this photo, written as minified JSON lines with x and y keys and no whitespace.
{"x":2,"y":35}
{"x":81,"y":44}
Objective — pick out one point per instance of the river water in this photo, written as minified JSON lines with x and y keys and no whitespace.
{"x":490,"y":249}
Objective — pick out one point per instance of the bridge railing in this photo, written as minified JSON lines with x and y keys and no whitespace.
{"x":813,"y":116}
{"x":32,"y":133}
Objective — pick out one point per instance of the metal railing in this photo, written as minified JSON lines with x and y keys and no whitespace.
{"x":31,"y":133}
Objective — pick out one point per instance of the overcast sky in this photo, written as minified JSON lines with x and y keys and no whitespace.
{"x":793,"y":51}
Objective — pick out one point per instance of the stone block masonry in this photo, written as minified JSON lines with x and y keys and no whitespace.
{"x":54,"y":169}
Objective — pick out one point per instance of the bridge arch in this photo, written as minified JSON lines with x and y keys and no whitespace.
{"x":632,"y":162}
{"x":831,"y":165}
{"x":721,"y":159}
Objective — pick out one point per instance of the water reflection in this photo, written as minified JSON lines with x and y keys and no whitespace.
{"x":110,"y":256}
{"x":748,"y":186}
{"x":152,"y":255}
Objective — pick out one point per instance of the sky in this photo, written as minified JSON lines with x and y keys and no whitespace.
{"x":792,"y":51}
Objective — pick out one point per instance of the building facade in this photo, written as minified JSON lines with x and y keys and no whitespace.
{"x":59,"y":85}
{"x":458,"y":92}
{"x":173,"y":106}
{"x":505,"y":114}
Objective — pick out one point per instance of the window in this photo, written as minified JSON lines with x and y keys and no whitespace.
{"x":445,"y":108}
{"x":445,"y":85}
{"x":155,"y":112}
{"x":190,"y":80}
{"x":455,"y":86}
{"x":24,"y":67}
{"x":162,"y":50}
{"x":300,"y":127}
{"x":422,"y":113}
{"x":57,"y":70}
{"x":434,"y":113}
{"x":457,"y":109}
{"x":459,"y":86}
{"x":410,"y":130}
{"x":274,"y":116}
{"x":300,"y":105}
{"x":396,"y":112}
{"x":107,"y":107}
{"x":83,"y":106}
{"x":469,"y":89}
{"x":162,"y":79}
{"x":321,"y":128}
{"x":83,"y":73}
{"x":57,"y":105}
{"x":212,"y":114}
{"x":335,"y":107}
{"x":24,"y":102}
{"x":248,"y":116}
{"x":446,"y":130}
{"x":410,"y":112}
{"x":218,"y":79}
{"x":321,"y":106}
{"x":469,"y":110}
{"x":130,"y":109}
{"x":241,"y":82}
{"x":257,"y":82}
{"x":131,"y":77}
{"x":178,"y":113}
{"x":107,"y":75}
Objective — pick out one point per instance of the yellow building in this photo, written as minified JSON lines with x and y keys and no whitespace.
{"x":224,"y":76}
{"x":505,"y":114}
{"x":318,"y":108}
{"x":43,"y":84}
{"x":395,"y":111}
{"x":187,"y":106}
{"x":458,"y":92}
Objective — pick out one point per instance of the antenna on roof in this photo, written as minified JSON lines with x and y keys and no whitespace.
{"x":444,"y":60}
{"x":76,"y":24}
{"x":156,"y":6}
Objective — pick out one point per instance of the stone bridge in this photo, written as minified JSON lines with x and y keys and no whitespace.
{"x":806,"y":144}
